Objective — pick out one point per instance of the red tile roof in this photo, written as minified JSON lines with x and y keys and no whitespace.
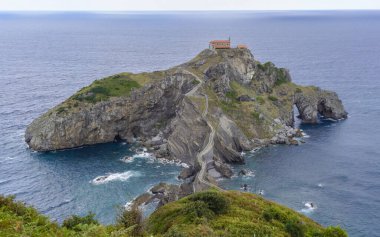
{"x":220,"y":41}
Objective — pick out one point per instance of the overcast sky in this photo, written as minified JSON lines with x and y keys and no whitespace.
{"x":141,"y":5}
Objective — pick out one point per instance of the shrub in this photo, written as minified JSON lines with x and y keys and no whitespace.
{"x":131,"y":220}
{"x":231,"y":94}
{"x":333,"y":231}
{"x":256,"y":116}
{"x":280,"y":81}
{"x":265,"y":66}
{"x":273,"y":213}
{"x":197,"y":209}
{"x":281,"y":77}
{"x":295,"y":228}
{"x":175,"y":231}
{"x":261,"y":67}
{"x":73,"y":221}
{"x":61,"y":110}
{"x":273,"y":98}
{"x":298,"y":90}
{"x":216,"y":202}
{"x":260,"y":100}
{"x":99,"y":90}
{"x":195,"y":82}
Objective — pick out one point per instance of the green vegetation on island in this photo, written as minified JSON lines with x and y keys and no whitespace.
{"x":209,"y":213}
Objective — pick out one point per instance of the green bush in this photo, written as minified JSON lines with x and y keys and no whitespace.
{"x":197,"y":209}
{"x":74,"y":221}
{"x":265,"y":66}
{"x":280,"y":81}
{"x":175,"y":231}
{"x":261,"y":67}
{"x":295,"y":228}
{"x":61,"y":110}
{"x":256,"y":116}
{"x":333,"y":231}
{"x":260,"y":100}
{"x":231,"y":94}
{"x":195,"y":82}
{"x":298,"y":90}
{"x":281,"y":77}
{"x":273,"y":213}
{"x":131,"y":220}
{"x":216,"y":202}
{"x":272,"y":98}
{"x":190,"y":231}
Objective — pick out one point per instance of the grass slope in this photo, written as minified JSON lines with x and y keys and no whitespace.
{"x":232,"y":213}
{"x":209,"y":213}
{"x":118,"y":85}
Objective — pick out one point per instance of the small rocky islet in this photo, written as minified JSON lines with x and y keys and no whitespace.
{"x":204,"y":113}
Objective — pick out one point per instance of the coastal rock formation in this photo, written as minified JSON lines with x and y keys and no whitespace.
{"x":317,"y":102}
{"x":208,"y":110}
{"x":139,"y":115}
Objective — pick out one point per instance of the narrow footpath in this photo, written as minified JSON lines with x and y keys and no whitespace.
{"x":200,"y":178}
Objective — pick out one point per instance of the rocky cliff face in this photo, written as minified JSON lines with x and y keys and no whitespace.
{"x":142,"y":114}
{"x":223,"y":96}
{"x":319,"y":102}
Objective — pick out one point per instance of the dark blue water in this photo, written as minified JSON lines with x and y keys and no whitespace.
{"x":44,"y":58}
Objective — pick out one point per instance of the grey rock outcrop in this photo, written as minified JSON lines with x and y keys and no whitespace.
{"x":317,"y":102}
{"x":122,"y":117}
{"x":188,"y":133}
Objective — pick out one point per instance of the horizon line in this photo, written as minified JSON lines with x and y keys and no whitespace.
{"x":209,"y":10}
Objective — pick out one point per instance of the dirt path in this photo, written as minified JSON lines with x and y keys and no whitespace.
{"x":210,"y":144}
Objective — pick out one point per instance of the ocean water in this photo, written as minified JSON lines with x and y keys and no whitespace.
{"x":45,"y":57}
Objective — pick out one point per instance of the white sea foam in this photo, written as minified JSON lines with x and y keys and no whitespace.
{"x":255,"y":149}
{"x":321,"y":185}
{"x":309,"y":207}
{"x":261,"y":192}
{"x":128,"y":206}
{"x":141,"y":153}
{"x":305,"y":135}
{"x":127,"y":159}
{"x":114,"y":177}
{"x":249,"y":174}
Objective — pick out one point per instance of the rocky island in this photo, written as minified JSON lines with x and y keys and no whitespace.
{"x":203,"y":113}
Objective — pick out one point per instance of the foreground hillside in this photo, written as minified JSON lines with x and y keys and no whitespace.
{"x":209,"y":213}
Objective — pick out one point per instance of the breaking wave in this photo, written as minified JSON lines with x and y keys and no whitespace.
{"x":115,"y":177}
{"x":308,"y":207}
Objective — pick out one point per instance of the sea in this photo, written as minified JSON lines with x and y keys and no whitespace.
{"x":47,"y":56}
